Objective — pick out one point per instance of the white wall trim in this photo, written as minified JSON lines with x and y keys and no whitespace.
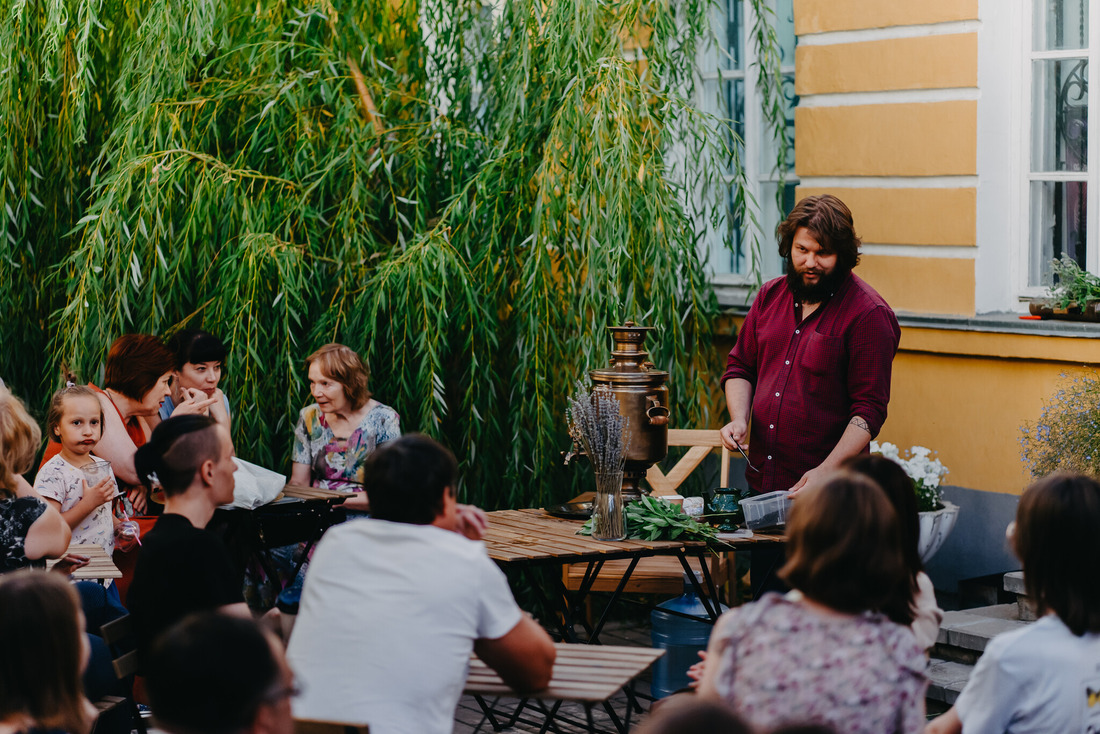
{"x":830,"y":38}
{"x":889,"y":182}
{"x":950,"y":252}
{"x":891,"y":96}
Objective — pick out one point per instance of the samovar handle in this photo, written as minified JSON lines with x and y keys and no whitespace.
{"x":657,"y":413}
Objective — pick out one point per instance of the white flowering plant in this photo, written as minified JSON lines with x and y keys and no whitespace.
{"x":922,"y":466}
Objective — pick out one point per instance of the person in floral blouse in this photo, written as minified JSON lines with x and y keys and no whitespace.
{"x":337,"y":433}
{"x":839,"y":653}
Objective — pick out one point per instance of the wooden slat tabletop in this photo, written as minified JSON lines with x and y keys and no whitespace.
{"x":533,"y":535}
{"x":303,"y":492}
{"x":100,"y":565}
{"x":590,"y":673}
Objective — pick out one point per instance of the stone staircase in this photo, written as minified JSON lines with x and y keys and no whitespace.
{"x":964,"y":635}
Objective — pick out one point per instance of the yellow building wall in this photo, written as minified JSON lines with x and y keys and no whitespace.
{"x":921,"y":284}
{"x":924,"y":62}
{"x":903,"y":216}
{"x":820,"y":16}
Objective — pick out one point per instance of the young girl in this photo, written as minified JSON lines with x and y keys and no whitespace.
{"x":75,"y":419}
{"x":1044,"y":677}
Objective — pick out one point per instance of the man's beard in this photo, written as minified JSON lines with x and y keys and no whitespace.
{"x":817,"y":292}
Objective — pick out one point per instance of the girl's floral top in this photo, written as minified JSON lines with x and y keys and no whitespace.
{"x":60,"y":481}
{"x":336,"y":464}
{"x":780,"y":662}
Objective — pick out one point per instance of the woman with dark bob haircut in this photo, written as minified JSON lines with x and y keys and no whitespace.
{"x":1044,"y":677}
{"x":45,"y":651}
{"x":337,"y":433}
{"x":839,"y":653}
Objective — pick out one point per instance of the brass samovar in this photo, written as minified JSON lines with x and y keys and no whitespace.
{"x":642,"y":391}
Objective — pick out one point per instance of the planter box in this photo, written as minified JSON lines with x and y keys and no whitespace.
{"x":1046,"y":309}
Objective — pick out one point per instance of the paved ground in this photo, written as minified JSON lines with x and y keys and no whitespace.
{"x":469,"y":718}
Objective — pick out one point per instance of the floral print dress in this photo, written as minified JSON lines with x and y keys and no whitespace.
{"x":779,"y":663}
{"x":336,"y":464}
{"x":17,"y":514}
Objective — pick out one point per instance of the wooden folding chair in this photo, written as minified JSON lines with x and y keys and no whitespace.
{"x":313,"y":726}
{"x":120,"y":638}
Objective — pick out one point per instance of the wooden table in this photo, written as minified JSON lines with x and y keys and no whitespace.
{"x":530,"y":538}
{"x":100,"y":566}
{"x":582,"y":673}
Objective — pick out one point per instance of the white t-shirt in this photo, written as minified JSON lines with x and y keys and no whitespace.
{"x":387,"y":621}
{"x":1041,"y":678}
{"x":59,"y":480}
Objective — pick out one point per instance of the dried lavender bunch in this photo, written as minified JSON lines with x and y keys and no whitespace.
{"x":597,"y":425}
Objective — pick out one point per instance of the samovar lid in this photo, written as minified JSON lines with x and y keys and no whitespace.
{"x":629,"y":361}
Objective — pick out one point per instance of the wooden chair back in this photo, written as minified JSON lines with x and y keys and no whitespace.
{"x":120,"y":637}
{"x":700,"y":443}
{"x":313,"y":726}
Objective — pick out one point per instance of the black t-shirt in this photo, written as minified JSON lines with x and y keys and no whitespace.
{"x":180,"y":570}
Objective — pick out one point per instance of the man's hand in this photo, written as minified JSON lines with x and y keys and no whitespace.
{"x":472,"y":521}
{"x":813,"y":476}
{"x":735,"y":433}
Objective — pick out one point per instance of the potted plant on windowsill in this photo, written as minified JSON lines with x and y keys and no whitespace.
{"x":1076,"y":295}
{"x":937,"y":516}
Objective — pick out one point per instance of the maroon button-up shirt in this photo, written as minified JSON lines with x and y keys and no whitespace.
{"x":810,"y":378}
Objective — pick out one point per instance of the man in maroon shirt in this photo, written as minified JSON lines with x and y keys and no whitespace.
{"x":812,"y":360}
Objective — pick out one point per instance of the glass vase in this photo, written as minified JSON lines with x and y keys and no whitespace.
{"x":608,"y":522}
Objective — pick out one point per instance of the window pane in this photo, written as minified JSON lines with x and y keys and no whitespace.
{"x":769,"y":149}
{"x":728,"y":25}
{"x":1060,"y":24}
{"x":784,"y":28}
{"x":734,"y":111}
{"x":1059,"y":118}
{"x":1057,"y":226}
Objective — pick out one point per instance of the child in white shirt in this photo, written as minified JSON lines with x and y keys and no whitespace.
{"x":75,"y":419}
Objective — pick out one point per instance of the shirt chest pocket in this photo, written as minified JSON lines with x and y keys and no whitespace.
{"x":824,"y":355}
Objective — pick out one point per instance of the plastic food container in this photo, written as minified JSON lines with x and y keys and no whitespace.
{"x":767,"y":510}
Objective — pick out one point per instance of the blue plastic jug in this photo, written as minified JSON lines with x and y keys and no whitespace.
{"x":680,"y":637}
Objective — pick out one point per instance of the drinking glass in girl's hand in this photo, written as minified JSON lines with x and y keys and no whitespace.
{"x":96,"y":472}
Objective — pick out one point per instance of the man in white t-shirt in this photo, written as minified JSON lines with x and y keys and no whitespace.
{"x":394,"y":604}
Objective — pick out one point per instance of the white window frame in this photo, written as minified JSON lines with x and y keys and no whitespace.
{"x":1092,"y":223}
{"x":733,"y":287}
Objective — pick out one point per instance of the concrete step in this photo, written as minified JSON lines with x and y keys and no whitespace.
{"x":1014,"y":584}
{"x":971,"y":629}
{"x":946,"y":679}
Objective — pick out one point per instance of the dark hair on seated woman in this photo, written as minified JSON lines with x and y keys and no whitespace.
{"x":844,"y":549}
{"x":43,"y":651}
{"x":195,"y":346}
{"x":897,"y":485}
{"x":1059,"y":545}
{"x":405,"y":479}
{"x":135,"y":363}
{"x":175,"y":451}
{"x":687,"y":713}
{"x":210,"y":674}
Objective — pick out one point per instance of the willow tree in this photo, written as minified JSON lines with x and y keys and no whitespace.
{"x":467,"y":195}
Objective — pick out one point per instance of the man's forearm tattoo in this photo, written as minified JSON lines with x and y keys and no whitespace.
{"x":858,"y":422}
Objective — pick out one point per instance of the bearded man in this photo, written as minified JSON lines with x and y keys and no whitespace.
{"x":811,"y":366}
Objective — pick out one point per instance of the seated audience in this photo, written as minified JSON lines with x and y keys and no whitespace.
{"x":336,"y":434}
{"x":30,"y":530}
{"x":1046,"y":676}
{"x":136,"y":381}
{"x":219,"y":674}
{"x":44,"y":652}
{"x":394,"y":604}
{"x":689,"y":714}
{"x":200,"y":357}
{"x":182,"y":568}
{"x":839,"y":654}
{"x":893,"y":480}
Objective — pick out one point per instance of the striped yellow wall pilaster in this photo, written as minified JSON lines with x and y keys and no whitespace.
{"x":931,"y":285}
{"x":821,"y":16}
